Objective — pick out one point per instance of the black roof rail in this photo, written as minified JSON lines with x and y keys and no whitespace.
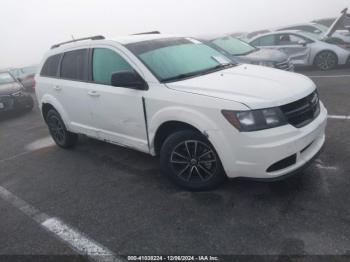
{"x":148,"y":33}
{"x":96,"y":37}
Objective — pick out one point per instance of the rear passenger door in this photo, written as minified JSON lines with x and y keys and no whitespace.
{"x":71,"y":90}
{"x":117,"y":112}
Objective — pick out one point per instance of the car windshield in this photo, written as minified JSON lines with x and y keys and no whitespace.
{"x":233,"y":45}
{"x":6,"y":78}
{"x":29,"y":70}
{"x":173,"y":59}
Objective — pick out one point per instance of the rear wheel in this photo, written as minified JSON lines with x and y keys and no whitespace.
{"x":189,"y":159}
{"x":326,"y":60}
{"x":58,"y":130}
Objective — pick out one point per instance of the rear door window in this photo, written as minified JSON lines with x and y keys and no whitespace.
{"x":50,"y":68}
{"x":288,"y":39}
{"x":106,"y":62}
{"x":74,"y":65}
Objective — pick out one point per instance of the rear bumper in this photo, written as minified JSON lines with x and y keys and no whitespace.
{"x":253,"y":154}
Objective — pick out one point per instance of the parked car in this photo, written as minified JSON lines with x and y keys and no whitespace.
{"x":179,"y":99}
{"x":305,"y":49}
{"x":12,"y":97}
{"x":25,"y":75}
{"x":320,"y":30}
{"x":336,"y":30}
{"x":242,"y":52}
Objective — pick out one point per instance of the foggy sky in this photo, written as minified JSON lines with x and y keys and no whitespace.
{"x":29,"y":27}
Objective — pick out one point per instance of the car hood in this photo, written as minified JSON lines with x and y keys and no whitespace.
{"x":8,"y":89}
{"x":254,"y":86}
{"x":339,"y":23}
{"x":263,"y":55}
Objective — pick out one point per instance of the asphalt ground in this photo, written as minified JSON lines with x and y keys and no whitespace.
{"x":117,"y":198}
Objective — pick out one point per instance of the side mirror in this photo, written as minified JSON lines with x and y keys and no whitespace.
{"x":302,"y":42}
{"x":129,"y":79}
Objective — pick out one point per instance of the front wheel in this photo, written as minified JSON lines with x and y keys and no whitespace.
{"x":189,"y":159}
{"x":58,"y":130}
{"x":326,"y":60}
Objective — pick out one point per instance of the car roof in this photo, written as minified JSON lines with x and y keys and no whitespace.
{"x":293,"y":25}
{"x":209,"y":37}
{"x":123,"y":40}
{"x":277,"y":33}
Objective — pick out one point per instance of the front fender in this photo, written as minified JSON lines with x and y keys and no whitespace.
{"x":181,"y":114}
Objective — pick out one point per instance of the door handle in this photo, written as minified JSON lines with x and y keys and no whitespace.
{"x":93,"y":93}
{"x":57,"y":88}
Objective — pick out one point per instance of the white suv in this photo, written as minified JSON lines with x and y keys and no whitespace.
{"x":175,"y":97}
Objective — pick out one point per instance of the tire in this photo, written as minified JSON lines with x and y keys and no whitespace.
{"x":190,"y":160}
{"x":326,"y":60}
{"x":30,"y":105}
{"x":62,"y":137}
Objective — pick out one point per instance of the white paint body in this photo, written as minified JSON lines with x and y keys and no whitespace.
{"x":116,"y":114}
{"x":300,"y":54}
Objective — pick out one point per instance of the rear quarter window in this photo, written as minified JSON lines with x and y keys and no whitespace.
{"x":50,"y":68}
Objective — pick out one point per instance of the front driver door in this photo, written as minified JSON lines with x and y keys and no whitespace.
{"x":117,"y":112}
{"x":295,"y":47}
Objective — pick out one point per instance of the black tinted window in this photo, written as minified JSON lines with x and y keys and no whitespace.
{"x":74,"y":65}
{"x":50,"y":67}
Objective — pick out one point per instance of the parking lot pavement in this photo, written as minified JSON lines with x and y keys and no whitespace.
{"x":118,"y":198}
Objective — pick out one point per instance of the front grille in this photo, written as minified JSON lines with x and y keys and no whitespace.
{"x":7,"y":102}
{"x":302,"y":112}
{"x":285,"y":65}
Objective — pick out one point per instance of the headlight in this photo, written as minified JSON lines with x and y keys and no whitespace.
{"x":19,"y":93}
{"x":254,"y":120}
{"x":265,"y":63}
{"x":268,"y":64}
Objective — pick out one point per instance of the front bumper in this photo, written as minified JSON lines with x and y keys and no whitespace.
{"x":14,"y":103}
{"x":252,"y":154}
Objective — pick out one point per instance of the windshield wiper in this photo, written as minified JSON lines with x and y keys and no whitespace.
{"x":218,"y":67}
{"x":197,"y":73}
{"x":180,"y":76}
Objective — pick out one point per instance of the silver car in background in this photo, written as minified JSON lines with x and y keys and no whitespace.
{"x":320,"y":30}
{"x":242,"y":52}
{"x":305,"y":49}
{"x":25,"y":75}
{"x":338,"y":30}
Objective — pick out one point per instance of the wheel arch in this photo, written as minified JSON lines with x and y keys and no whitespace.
{"x":166,"y":129}
{"x":48,"y":102}
{"x":169,"y":120}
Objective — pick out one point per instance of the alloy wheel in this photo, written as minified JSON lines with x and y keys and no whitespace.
{"x":194,"y":161}
{"x":326,"y":61}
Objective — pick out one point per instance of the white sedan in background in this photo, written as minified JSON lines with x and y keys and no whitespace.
{"x":305,"y":48}
{"x":318,"y":29}
{"x":339,"y":29}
